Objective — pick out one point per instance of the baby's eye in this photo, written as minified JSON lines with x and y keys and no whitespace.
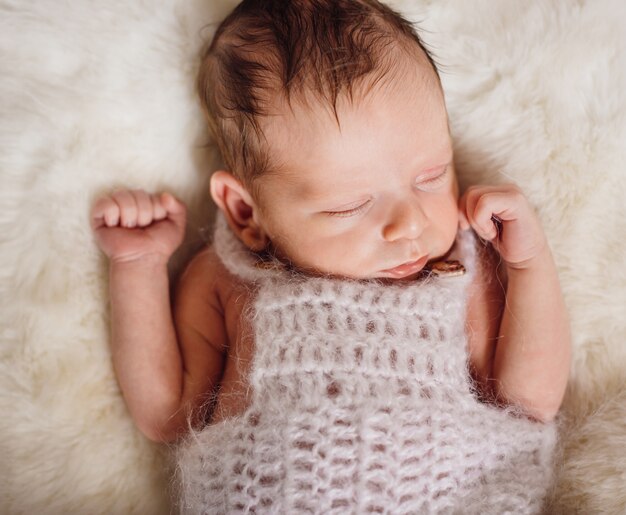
{"x":429,"y":183}
{"x":350,"y":212}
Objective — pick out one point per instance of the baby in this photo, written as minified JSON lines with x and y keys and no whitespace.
{"x":345,"y":345}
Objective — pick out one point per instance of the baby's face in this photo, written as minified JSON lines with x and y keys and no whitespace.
{"x":373,"y":198}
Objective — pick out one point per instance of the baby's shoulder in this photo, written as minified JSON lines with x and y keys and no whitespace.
{"x":205,"y":278}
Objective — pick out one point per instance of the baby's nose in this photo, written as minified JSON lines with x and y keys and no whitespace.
{"x":406,"y":221}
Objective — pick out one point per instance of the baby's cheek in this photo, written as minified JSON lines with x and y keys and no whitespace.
{"x":323,"y":256}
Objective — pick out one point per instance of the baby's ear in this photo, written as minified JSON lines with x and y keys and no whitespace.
{"x":239,"y":208}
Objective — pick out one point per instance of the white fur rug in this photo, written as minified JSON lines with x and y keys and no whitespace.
{"x":100,"y":94}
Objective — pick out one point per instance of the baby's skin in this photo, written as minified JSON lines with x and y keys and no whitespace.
{"x":374,"y":198}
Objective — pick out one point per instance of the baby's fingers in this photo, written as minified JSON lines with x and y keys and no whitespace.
{"x":105,"y":213}
{"x":137,"y":208}
{"x":154,"y":207}
{"x":176,"y":210}
{"x":158,"y":208}
{"x":144,"y":208}
{"x":127,"y":206}
{"x":488,"y":208}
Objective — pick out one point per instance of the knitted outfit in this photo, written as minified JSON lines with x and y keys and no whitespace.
{"x":362,"y":403}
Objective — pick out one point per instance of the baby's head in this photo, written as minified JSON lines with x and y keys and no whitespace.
{"x":331,"y":121}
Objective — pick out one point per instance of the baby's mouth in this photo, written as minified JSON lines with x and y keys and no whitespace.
{"x":408,"y":268}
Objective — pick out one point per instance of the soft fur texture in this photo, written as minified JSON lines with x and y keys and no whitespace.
{"x":95,"y":95}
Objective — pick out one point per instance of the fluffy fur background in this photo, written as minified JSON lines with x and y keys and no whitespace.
{"x":95,"y":95}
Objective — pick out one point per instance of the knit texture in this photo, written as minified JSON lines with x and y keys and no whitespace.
{"x":362,"y":403}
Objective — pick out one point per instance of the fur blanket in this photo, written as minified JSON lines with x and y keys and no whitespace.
{"x":95,"y":95}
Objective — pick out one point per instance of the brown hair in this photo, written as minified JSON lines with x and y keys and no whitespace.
{"x":303,"y":49}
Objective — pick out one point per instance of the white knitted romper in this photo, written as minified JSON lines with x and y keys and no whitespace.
{"x":362,"y":403}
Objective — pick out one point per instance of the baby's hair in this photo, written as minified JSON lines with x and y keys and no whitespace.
{"x":267,"y":51}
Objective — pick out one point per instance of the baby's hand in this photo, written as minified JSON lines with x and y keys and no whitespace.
{"x":502,"y":215}
{"x":132,"y":225}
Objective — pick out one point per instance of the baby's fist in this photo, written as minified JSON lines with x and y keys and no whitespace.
{"x":502,"y":215}
{"x":132,"y":225}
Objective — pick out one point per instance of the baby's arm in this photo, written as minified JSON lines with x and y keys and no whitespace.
{"x":160,"y":380}
{"x":532,"y":356}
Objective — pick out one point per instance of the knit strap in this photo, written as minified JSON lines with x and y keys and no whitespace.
{"x":237,"y":258}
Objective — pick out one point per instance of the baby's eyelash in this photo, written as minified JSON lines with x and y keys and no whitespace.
{"x":349,"y":212}
{"x":435,"y":181}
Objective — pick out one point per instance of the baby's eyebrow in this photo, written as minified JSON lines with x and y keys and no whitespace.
{"x":333,"y":197}
{"x":314,"y":192}
{"x":333,"y":192}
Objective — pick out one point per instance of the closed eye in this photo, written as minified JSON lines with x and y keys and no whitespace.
{"x":350,"y":212}
{"x":433,"y":182}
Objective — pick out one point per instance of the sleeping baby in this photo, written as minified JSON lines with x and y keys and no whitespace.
{"x":356,"y":339}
